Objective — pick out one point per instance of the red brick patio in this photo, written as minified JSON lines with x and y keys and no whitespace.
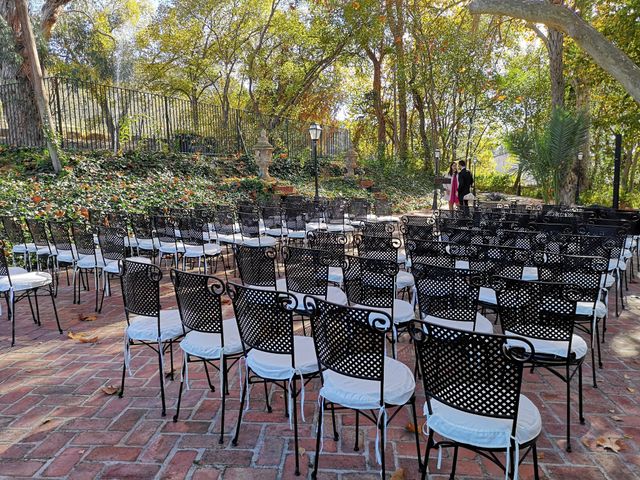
{"x":55,"y":421}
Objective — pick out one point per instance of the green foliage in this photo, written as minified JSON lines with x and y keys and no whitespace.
{"x":548,"y":155}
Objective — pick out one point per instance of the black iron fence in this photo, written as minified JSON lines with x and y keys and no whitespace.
{"x":91,"y":116}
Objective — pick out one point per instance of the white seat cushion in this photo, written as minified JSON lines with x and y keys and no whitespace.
{"x":277,"y":366}
{"x":51,"y":250}
{"x":357,"y":393}
{"x":334,"y":294}
{"x":296,"y":234}
{"x":481,"y":431}
{"x":553,"y":347}
{"x":402,"y":311}
{"x":146,"y":328}
{"x":196,"y":251}
{"x":112,"y":265}
{"x":24,"y":248}
{"x":25,"y":281}
{"x":171,"y":248}
{"x":148,"y":243}
{"x":130,"y":242}
{"x":17,"y":271}
{"x":488,"y":295}
{"x":482,"y":324}
{"x":607,"y":281}
{"x":335,"y":275}
{"x":338,"y":227}
{"x":404,"y":280}
{"x":586,"y":308}
{"x":231,"y":239}
{"x":316,"y":226}
{"x":208,"y":345}
{"x":259,"y":241}
{"x":275,"y":232}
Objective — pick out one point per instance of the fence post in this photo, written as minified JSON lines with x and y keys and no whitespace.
{"x":166,"y":119}
{"x":58,"y":110}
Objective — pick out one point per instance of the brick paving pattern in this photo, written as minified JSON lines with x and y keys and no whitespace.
{"x":56,"y":422}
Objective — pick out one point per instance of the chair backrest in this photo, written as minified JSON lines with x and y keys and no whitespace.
{"x":370,"y":282}
{"x":333,"y":243}
{"x":359,"y":209}
{"x":265,"y":318}
{"x":306,"y":270}
{"x":295,"y":219}
{"x":585,"y":272}
{"x":61,"y":235}
{"x":12,"y":230}
{"x":165,"y":228}
{"x":224,"y":221}
{"x":432,"y":252}
{"x":504,"y":261}
{"x":83,"y":239}
{"x":472,"y":372}
{"x":140,"y":289}
{"x":378,"y":229}
{"x":249,"y":223}
{"x":382,"y":207}
{"x":256,"y":265}
{"x":447,"y":293}
{"x":38,"y":232}
{"x":4,"y":265}
{"x":112,"y":244}
{"x":192,"y":230}
{"x":272,"y":216}
{"x":199,"y":300}
{"x":383,"y":248}
{"x":142,"y":226}
{"x":117,"y":220}
{"x":350,"y":341}
{"x":541,"y":310}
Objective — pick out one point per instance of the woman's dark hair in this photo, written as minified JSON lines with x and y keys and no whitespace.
{"x":453,"y":168}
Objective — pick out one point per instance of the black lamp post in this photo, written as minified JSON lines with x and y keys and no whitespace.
{"x":436,"y":177}
{"x":578,"y":171}
{"x":315,"y":131}
{"x":475,"y":163}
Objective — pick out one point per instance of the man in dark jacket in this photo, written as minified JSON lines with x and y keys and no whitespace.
{"x":465,"y":182}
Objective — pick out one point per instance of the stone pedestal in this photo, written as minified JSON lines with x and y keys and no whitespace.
{"x":263,"y":153}
{"x":350,"y":161}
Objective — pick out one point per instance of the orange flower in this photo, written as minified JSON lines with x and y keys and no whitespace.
{"x":36,"y":199}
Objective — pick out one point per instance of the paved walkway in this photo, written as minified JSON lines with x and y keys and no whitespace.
{"x":57,"y":422}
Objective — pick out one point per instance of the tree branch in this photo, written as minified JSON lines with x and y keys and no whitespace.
{"x":604,"y":53}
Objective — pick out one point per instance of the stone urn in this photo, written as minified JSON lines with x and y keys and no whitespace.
{"x":350,"y":161}
{"x":263,"y":153}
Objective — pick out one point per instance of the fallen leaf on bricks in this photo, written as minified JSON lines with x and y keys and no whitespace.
{"x":410,"y":427}
{"x":87,"y":318}
{"x":631,"y":390}
{"x":617,"y":419}
{"x":302,"y":452}
{"x":540,"y":455}
{"x":398,"y":474}
{"x":83,"y":337}
{"x":615,"y":444}
{"x":110,"y":390}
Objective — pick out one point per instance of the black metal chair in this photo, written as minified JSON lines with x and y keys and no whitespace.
{"x":449,"y":297}
{"x":194,"y":246}
{"x":385,"y":248}
{"x":371,"y":283}
{"x":14,"y":233}
{"x":544,"y":313}
{"x":253,"y":234}
{"x":256,"y":265}
{"x":44,"y":250}
{"x":472,"y":382}
{"x":208,"y":337}
{"x":336,"y":216}
{"x":88,"y":259}
{"x":17,"y":284}
{"x":378,"y":229}
{"x":295,"y":222}
{"x":333,"y":243}
{"x":433,"y":252}
{"x":273,"y":354}
{"x":356,"y":373}
{"x":144,"y":239}
{"x":147,"y":323}
{"x":166,"y":232}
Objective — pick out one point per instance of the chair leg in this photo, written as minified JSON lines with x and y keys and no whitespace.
{"x":314,"y":474}
{"x":171,"y":356}
{"x":534,"y":452}
{"x":568,"y":380}
{"x":427,"y":450}
{"x":416,"y":431}
{"x":33,"y":313}
{"x":382,"y":442}
{"x":580,"y":401}
{"x":184,"y":372}
{"x":223,"y":371}
{"x":455,"y":461}
{"x":597,"y":334}
{"x":294,"y":394}
{"x":96,"y":284}
{"x":161,"y":375}
{"x":12,"y":317}
{"x":234,"y":442}
{"x":124,"y":373}
{"x":336,"y":437}
{"x":266,"y":397}
{"x":206,"y":370}
{"x":593,"y":363}
{"x":35,"y":300}
{"x":356,"y":447}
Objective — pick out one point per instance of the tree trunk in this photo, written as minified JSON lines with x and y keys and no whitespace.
{"x":422,"y":128}
{"x":395,"y":14}
{"x":555,"y":46}
{"x":603,"y":52}
{"x":378,"y":107}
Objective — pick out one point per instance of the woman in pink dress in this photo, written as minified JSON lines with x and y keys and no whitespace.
{"x":452,"y":188}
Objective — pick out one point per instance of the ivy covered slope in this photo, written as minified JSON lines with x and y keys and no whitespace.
{"x":135,"y":181}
